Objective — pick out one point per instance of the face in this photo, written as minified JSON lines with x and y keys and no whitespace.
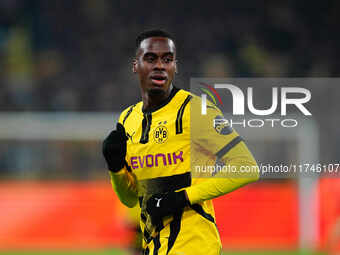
{"x":155,"y":65}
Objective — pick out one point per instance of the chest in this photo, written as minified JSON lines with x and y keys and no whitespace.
{"x":157,"y":140}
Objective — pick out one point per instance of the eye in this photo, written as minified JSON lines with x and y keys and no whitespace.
{"x":168,"y":60}
{"x":149,"y":59}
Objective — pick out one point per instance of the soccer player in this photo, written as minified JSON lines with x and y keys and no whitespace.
{"x":150,"y":153}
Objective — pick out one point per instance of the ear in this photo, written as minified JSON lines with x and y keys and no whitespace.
{"x":176,"y":70}
{"x":134,"y":65}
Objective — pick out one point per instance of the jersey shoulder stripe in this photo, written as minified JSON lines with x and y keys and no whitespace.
{"x":128,"y":113}
{"x":179,"y":124}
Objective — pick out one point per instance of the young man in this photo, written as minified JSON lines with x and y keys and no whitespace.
{"x":150,"y":154}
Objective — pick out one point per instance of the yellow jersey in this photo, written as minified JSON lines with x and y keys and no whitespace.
{"x":164,"y":147}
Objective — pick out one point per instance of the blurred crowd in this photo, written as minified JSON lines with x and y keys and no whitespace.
{"x":76,"y":55}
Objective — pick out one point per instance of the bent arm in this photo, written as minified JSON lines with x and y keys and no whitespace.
{"x":239,"y":158}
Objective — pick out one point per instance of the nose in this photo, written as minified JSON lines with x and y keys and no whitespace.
{"x":159,"y":65}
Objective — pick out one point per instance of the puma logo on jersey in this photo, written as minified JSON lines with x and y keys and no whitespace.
{"x":161,"y":159}
{"x":130,"y":136}
{"x":158,"y":201}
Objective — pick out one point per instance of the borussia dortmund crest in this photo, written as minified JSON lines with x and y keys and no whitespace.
{"x":160,"y":135}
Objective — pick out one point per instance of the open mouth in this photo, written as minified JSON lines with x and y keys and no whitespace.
{"x":158,"y":79}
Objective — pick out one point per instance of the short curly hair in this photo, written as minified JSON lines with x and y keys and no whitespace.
{"x":152,"y":33}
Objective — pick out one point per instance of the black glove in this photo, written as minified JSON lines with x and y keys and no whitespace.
{"x":114,"y":148}
{"x":161,"y":205}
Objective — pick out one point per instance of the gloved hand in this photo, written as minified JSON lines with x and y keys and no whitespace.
{"x":114,"y":148}
{"x":161,"y":205}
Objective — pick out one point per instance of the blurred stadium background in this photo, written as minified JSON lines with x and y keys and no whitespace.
{"x":65,"y":75}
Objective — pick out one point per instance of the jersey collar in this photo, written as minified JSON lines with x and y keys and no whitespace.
{"x":172,"y":94}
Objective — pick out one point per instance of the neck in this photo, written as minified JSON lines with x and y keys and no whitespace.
{"x":153,"y":99}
